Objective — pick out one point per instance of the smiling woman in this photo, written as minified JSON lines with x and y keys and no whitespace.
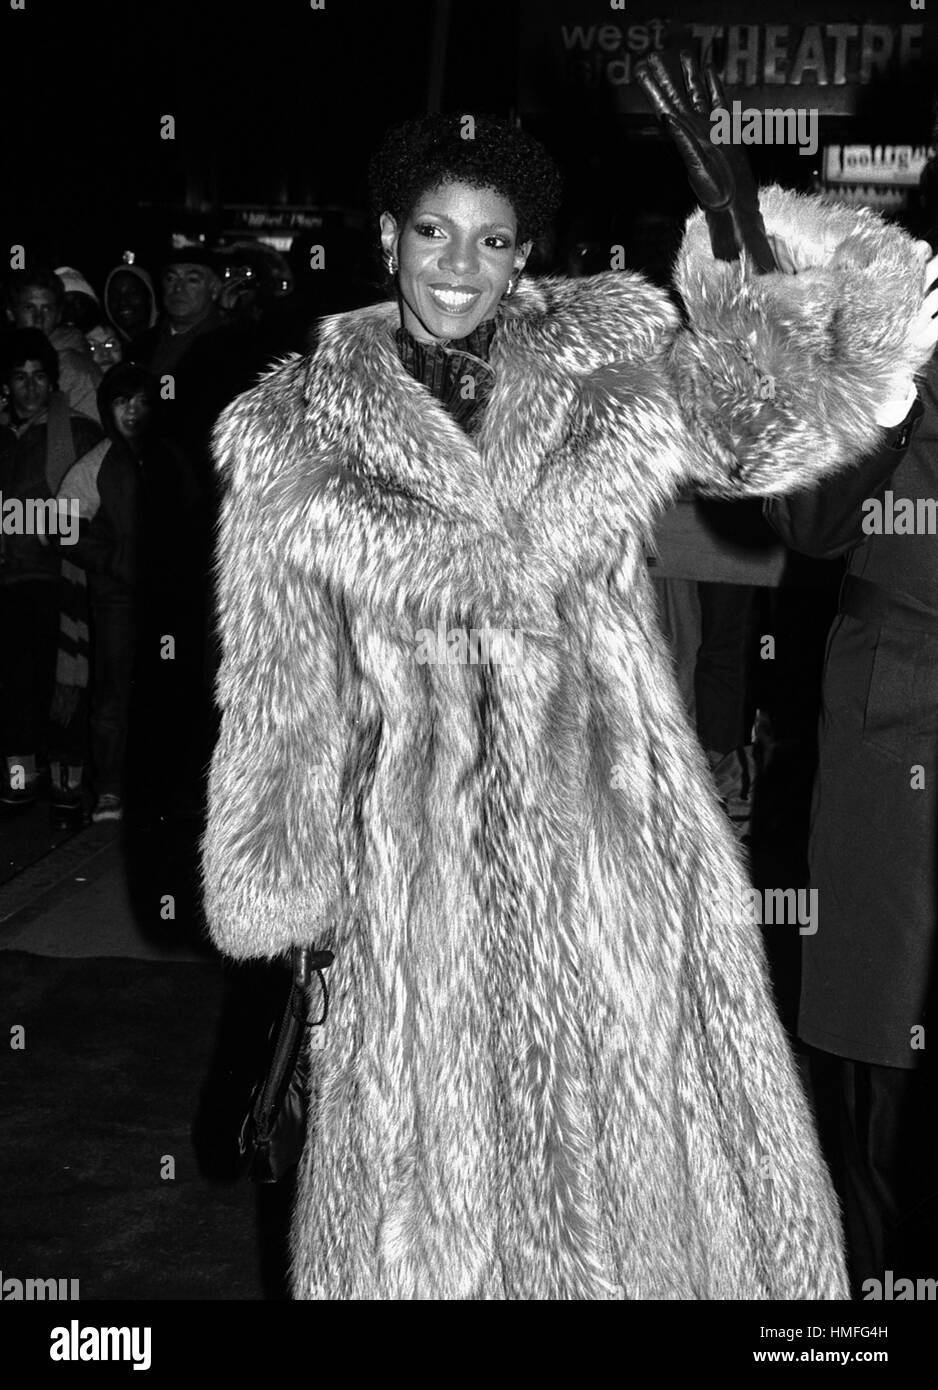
{"x":456,"y":255}
{"x":552,"y":1067}
{"x":479,"y":190}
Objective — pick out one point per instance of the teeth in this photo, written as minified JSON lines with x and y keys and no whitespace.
{"x":453,"y":299}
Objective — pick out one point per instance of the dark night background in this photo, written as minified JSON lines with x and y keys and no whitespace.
{"x":279,"y":103}
{"x":273,"y":102}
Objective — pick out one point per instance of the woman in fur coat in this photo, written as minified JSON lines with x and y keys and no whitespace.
{"x":452,"y":751}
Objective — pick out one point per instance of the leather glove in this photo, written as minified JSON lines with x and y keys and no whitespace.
{"x":719,"y":175}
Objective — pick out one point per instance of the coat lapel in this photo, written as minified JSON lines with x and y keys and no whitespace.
{"x":426,"y":456}
{"x":552,"y":337}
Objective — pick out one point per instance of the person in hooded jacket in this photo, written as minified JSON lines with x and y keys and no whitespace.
{"x":130,"y":299}
{"x":138,"y":514}
{"x":81,"y":307}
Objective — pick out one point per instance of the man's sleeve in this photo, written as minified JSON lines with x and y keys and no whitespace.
{"x":827,"y":521}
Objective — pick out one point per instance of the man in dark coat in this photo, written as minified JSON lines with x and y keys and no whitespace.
{"x":201,"y":362}
{"x":867,"y":972}
{"x":193,"y":345}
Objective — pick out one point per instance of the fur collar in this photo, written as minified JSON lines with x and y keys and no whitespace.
{"x":352,"y":410}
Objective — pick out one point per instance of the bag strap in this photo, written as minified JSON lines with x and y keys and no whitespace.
{"x":296,"y":1016}
{"x":306,"y":960}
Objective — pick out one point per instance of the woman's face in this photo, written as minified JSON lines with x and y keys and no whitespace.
{"x":106,"y":348}
{"x":456,"y":253}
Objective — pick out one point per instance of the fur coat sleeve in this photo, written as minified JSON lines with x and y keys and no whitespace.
{"x":775,"y":379}
{"x":268,"y":860}
{"x":772,"y":366}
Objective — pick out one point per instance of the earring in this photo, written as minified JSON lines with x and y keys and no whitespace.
{"x":512,"y":286}
{"x":390,"y":261}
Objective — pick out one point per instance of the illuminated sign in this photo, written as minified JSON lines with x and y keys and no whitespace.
{"x":892,"y":165}
{"x":260,"y":218}
{"x":592,"y":48}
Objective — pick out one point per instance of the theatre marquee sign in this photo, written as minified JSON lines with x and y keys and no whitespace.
{"x":586,"y":45}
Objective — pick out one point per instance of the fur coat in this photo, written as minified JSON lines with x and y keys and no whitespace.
{"x":452,"y":752}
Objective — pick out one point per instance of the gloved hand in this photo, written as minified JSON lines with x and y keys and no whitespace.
{"x":718,"y":174}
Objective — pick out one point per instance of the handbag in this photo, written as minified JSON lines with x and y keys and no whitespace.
{"x":274,"y":1129}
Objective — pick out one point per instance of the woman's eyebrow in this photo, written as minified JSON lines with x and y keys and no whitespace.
{"x":485,"y":227}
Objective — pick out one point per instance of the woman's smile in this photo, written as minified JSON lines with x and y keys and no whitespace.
{"x":453,"y":301}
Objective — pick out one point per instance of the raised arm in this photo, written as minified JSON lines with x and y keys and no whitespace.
{"x":801,"y":343}
{"x":771,"y":383}
{"x":785,"y":378}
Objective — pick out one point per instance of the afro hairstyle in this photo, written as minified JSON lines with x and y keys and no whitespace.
{"x":481,"y":151}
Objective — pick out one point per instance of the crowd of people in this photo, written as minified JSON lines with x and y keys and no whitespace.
{"x":107,"y":401}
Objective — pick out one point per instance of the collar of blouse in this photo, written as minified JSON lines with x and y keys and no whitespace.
{"x":455,"y":371}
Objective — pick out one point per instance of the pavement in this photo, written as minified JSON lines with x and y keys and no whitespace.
{"x":97,"y":913}
{"x":105,"y":890}
{"x":25,"y":836}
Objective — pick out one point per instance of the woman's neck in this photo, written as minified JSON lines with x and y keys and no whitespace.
{"x":478,"y":342}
